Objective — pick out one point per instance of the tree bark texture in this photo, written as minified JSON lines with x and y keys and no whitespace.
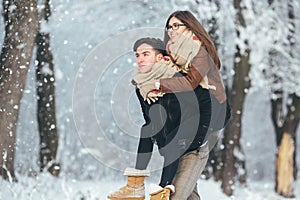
{"x":21,"y":23}
{"x":46,"y":112}
{"x":286,"y":172}
{"x":232,"y":155}
{"x":285,"y":125}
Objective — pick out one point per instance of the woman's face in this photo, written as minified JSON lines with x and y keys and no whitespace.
{"x":175,"y":28}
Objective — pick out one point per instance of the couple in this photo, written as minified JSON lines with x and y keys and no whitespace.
{"x":174,"y":93}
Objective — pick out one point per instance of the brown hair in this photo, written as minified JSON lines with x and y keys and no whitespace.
{"x":194,"y":25}
{"x":157,"y":44}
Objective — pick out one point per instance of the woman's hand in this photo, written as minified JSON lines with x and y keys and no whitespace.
{"x":153,"y":95}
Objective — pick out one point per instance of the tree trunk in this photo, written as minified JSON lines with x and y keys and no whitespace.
{"x":21,"y":23}
{"x":285,"y":126}
{"x":291,"y":39}
{"x":286,"y":156}
{"x":233,"y":163}
{"x":46,"y":99}
{"x":284,"y":166}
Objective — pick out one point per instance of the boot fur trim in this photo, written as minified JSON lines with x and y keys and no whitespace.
{"x":171,"y":187}
{"x":154,"y":189}
{"x":136,"y":172}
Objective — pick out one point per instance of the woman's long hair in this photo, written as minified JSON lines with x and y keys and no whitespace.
{"x":194,"y":25}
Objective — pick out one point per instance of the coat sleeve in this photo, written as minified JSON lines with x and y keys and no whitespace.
{"x":198,"y":69}
{"x":144,"y":106}
{"x":148,"y":131}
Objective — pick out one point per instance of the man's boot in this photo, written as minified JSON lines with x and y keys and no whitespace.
{"x":135,"y":188}
{"x":159,"y":193}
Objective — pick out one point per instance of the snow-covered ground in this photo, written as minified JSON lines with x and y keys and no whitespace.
{"x":46,"y":187}
{"x":77,"y":29}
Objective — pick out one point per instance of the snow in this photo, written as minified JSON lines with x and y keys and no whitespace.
{"x":47,"y":187}
{"x":78,"y":30}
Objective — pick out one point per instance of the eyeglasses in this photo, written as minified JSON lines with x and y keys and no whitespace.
{"x":174,"y":27}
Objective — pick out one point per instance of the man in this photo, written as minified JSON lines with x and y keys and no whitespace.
{"x":151,"y":64}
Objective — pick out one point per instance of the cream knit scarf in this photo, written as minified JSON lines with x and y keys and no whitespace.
{"x":164,"y":68}
{"x":183,"y":50}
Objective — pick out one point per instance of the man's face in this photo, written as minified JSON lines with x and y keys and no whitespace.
{"x":145,"y":57}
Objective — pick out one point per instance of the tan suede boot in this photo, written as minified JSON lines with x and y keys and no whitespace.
{"x":159,"y":193}
{"x":135,"y":189}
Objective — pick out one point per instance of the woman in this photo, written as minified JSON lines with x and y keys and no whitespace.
{"x":191,"y":48}
{"x":202,"y":67}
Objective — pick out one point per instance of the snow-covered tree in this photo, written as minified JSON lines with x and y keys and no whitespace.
{"x":275,"y":72}
{"x":21,"y":23}
{"x":285,"y":101}
{"x":45,"y":79}
{"x":233,"y":163}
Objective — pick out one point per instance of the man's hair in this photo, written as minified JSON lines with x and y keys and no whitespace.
{"x":156,"y":43}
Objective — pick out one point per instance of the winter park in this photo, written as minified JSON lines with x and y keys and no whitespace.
{"x":71,"y":120}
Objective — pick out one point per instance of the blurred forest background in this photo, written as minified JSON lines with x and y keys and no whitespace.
{"x":45,"y":50}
